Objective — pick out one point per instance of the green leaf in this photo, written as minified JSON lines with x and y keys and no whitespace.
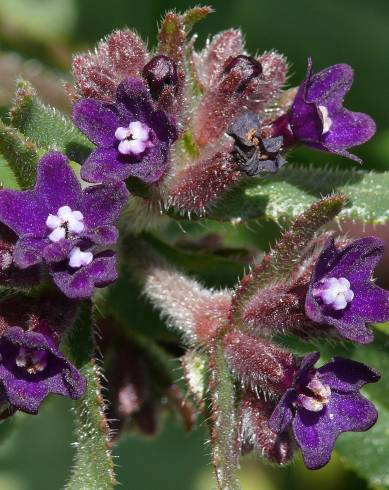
{"x":7,"y":177}
{"x":93,"y":466}
{"x":224,"y":420}
{"x":367,"y":452}
{"x":294,"y":188}
{"x":20,"y":154}
{"x":282,"y":260}
{"x":46,"y":126}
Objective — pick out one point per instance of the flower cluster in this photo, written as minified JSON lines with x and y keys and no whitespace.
{"x":169,"y":132}
{"x":285,"y":400}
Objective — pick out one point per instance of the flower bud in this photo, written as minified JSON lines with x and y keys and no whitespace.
{"x":259,"y":362}
{"x":160,"y":72}
{"x":256,"y":434}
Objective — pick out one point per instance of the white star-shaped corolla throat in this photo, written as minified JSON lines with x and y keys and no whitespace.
{"x":65,"y":223}
{"x":134,"y":139}
{"x":327,"y":121}
{"x":335,"y":293}
{"x":78,"y":258}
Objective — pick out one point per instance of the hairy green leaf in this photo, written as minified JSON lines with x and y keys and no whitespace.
{"x":287,"y":194}
{"x":21,"y":155}
{"x":224,"y":420}
{"x":7,"y":177}
{"x":46,"y":126}
{"x":93,"y":466}
{"x":367,"y":452}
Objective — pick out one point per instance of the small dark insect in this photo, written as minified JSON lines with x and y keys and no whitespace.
{"x":255,"y":155}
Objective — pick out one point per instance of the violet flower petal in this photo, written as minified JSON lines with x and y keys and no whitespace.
{"x":57,"y":251}
{"x":282,"y":415}
{"x":80,"y":284}
{"x":28,"y":251}
{"x":107,"y":165}
{"x":133,"y":95}
{"x":316,"y":432}
{"x":101,"y":204}
{"x":317,"y":117}
{"x":347,"y":375}
{"x":103,"y":235}
{"x":22,"y":212}
{"x":97,"y":120}
{"x":56,"y":183}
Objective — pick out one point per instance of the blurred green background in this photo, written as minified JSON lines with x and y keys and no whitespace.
{"x":37,"y":38}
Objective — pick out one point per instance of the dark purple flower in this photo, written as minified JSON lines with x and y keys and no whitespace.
{"x":133,"y":138}
{"x":160,"y":72}
{"x":253,"y":154}
{"x":10,"y":275}
{"x":242,"y":69}
{"x":317,"y":117}
{"x":341,"y":292}
{"x":323,"y":403}
{"x":31,"y":367}
{"x":59,"y":223}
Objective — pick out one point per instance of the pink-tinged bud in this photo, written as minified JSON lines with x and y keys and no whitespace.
{"x":93,"y":79}
{"x":195,"y":311}
{"x":275,"y":309}
{"x":125,"y":53}
{"x":227,"y":98}
{"x":160,"y":73}
{"x":196,"y":187}
{"x":275,"y":69}
{"x":97,"y":75}
{"x":255,"y":432}
{"x":210,"y":61}
{"x":259,"y":363}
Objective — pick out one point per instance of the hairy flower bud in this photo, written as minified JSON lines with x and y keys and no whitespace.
{"x":256,"y":434}
{"x":259,"y":362}
{"x":160,"y":72}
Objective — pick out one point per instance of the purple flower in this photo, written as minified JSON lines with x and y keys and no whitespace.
{"x":341,"y":292}
{"x":31,"y":367}
{"x":323,"y":403}
{"x":133,"y":138}
{"x":317,"y":117}
{"x":64,"y":226}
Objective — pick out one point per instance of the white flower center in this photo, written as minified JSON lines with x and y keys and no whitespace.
{"x":5,"y":260}
{"x":66,"y":222}
{"x":315,"y":395}
{"x":32,"y":360}
{"x":327,"y":121}
{"x":134,"y":139}
{"x":334,"y":292}
{"x":78,"y":258}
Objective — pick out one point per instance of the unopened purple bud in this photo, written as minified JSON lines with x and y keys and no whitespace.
{"x":244,"y":69}
{"x":160,"y":72}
